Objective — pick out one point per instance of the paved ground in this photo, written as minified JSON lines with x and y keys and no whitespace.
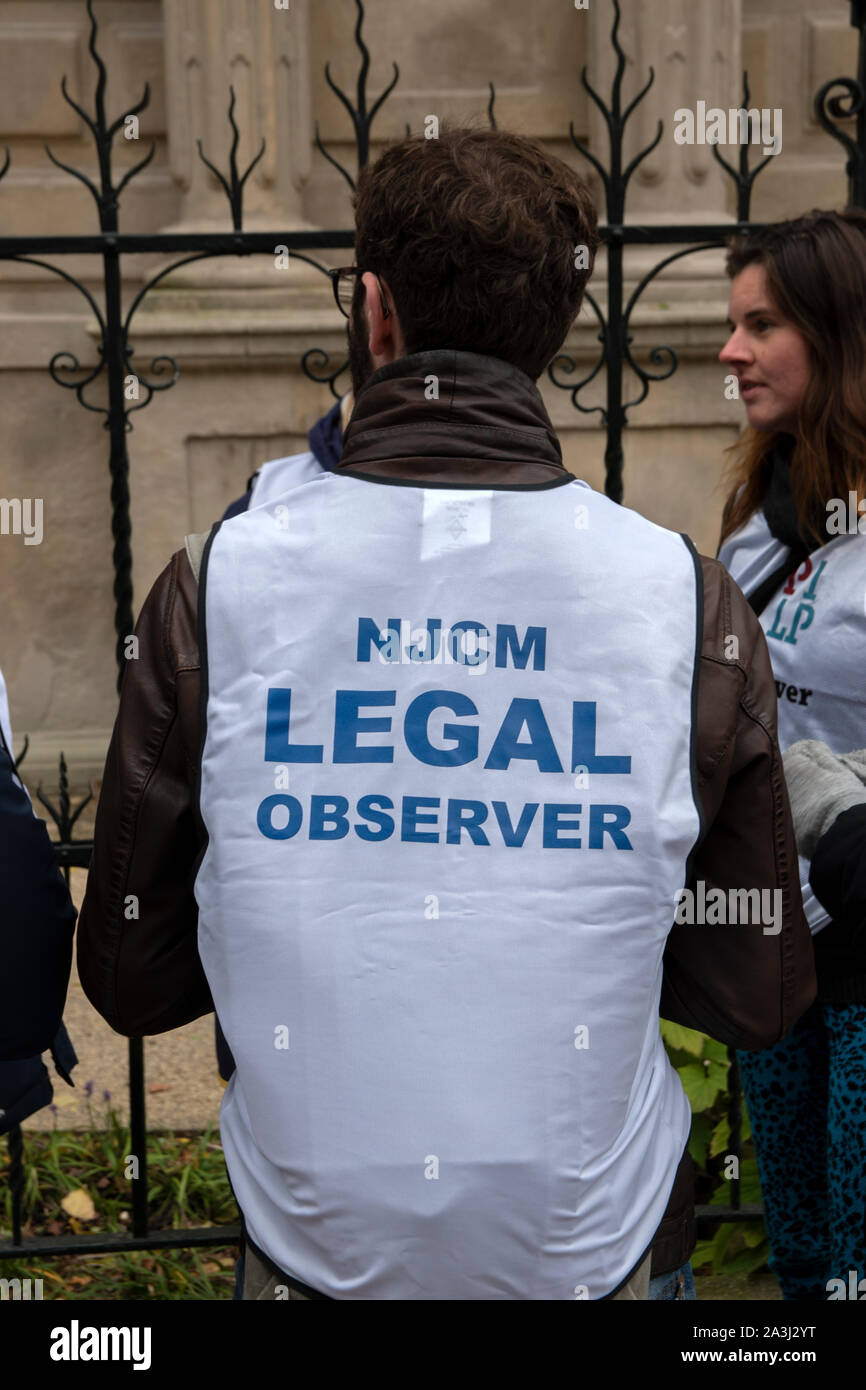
{"x":182,"y":1084}
{"x":729,"y":1289}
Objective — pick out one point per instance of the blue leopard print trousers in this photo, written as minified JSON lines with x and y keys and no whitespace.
{"x":806,"y":1098}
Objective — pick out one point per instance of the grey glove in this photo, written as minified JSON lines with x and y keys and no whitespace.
{"x":855,"y":762}
{"x":821,"y":786}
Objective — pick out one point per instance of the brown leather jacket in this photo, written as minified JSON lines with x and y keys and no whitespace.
{"x":489,"y":426}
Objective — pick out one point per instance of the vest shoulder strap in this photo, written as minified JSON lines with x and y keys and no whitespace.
{"x":195,"y":550}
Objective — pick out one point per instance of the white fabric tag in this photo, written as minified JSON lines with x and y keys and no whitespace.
{"x":454,"y":520}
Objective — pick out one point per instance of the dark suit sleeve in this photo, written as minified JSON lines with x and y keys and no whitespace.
{"x":37,"y":921}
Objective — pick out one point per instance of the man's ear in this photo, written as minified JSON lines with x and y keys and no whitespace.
{"x":384,"y":335}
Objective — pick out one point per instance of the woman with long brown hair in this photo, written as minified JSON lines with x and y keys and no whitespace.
{"x":792,"y":539}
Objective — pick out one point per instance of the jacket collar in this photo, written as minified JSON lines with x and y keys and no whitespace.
{"x":487,"y":425}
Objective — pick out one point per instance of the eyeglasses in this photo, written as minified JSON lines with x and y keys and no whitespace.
{"x":343,"y":280}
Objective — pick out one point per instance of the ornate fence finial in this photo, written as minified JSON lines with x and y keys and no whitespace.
{"x":361,"y":118}
{"x":234,"y":187}
{"x":490,"y":116}
{"x":61,"y":817}
{"x":106,"y":196}
{"x":845,"y":104}
{"x":744,"y":177}
{"x":615,"y":181}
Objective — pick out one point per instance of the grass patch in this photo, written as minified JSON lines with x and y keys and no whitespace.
{"x":77,"y":1182}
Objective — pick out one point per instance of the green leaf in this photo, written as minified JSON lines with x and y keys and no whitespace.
{"x":702,"y":1254}
{"x":753,"y":1233}
{"x":747,"y":1261}
{"x":750,"y":1181}
{"x":750,"y":1185}
{"x":717,"y":1073}
{"x":721,"y":1241}
{"x":716,"y":1051}
{"x":676,"y":1035}
{"x":700,"y":1084}
{"x":720,"y":1137}
{"x":721,"y":1196}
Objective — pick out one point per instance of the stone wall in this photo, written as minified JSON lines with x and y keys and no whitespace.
{"x":240,"y":328}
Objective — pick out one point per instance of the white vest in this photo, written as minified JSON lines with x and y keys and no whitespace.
{"x":279,"y":475}
{"x":447,"y":781}
{"x":5,"y":722}
{"x":815,"y":626}
{"x":6,"y":731}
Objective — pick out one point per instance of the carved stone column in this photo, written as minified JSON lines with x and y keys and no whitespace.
{"x":263,"y":52}
{"x":694,"y":51}
{"x":238,"y":326}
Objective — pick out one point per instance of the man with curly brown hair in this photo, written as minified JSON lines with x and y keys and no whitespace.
{"x":368,"y":717}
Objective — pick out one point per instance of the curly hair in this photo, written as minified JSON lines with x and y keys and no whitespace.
{"x":478,"y":234}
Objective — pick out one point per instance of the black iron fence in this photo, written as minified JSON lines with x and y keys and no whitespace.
{"x":839,"y":100}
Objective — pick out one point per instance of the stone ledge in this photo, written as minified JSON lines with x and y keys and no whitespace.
{"x":84,"y":751}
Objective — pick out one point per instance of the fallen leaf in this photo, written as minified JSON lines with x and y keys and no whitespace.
{"x":79,"y":1204}
{"x":153,"y":1089}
